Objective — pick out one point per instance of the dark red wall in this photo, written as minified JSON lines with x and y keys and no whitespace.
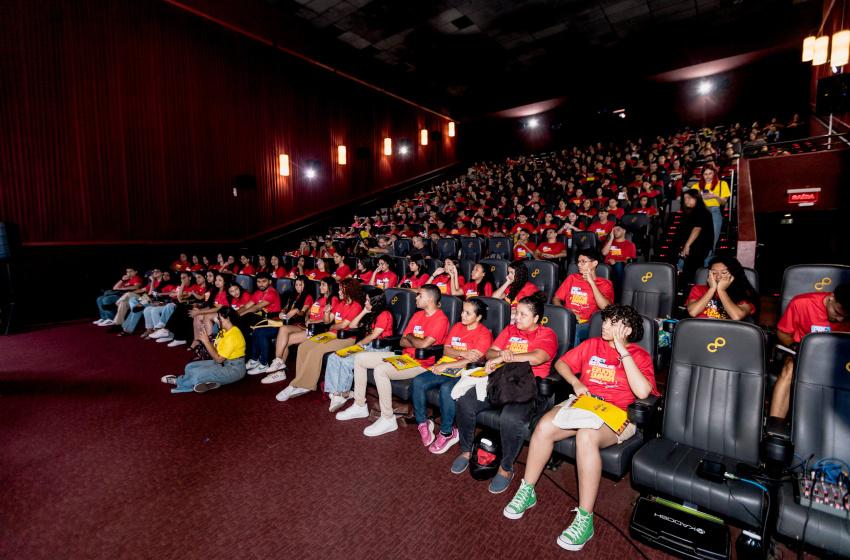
{"x":127,"y":121}
{"x":771,"y":177}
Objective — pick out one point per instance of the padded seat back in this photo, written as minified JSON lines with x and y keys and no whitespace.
{"x":563,"y":322}
{"x":544,"y":274}
{"x":401,"y":247}
{"x":309,"y":262}
{"x":367,"y":289}
{"x":821,"y":416}
{"x":247,"y":282}
{"x":583,"y":240}
{"x":603,"y":270}
{"x":650,"y":287}
{"x":806,"y":278}
{"x":285,"y":288}
{"x":402,"y":305}
{"x":451,"y":306}
{"x":312,"y":288}
{"x":498,"y":267}
{"x":399,"y":266}
{"x":432,"y":264}
{"x":649,"y":342}
{"x":701,"y":277}
{"x":498,"y":314}
{"x":501,"y":248}
{"x":472,"y":248}
{"x":447,"y":248}
{"x":466,"y":267}
{"x":715,"y":388}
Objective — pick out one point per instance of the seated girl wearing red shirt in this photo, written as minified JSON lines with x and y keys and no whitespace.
{"x":547,"y":223}
{"x":481,"y":283}
{"x":614,"y":209}
{"x":245,"y":267}
{"x":480,"y":228}
{"x":587,"y":208}
{"x":263,"y":265}
{"x":376,"y":322}
{"x":728,"y":294}
{"x":181,"y":263}
{"x":196,"y":264}
{"x":384,"y":278}
{"x":416,"y":276}
{"x":364,"y":271}
{"x":571,"y":225}
{"x":562,"y":210}
{"x":516,"y":285}
{"x":644,"y":207}
{"x":277,"y":269}
{"x":612,"y":367}
{"x":342,"y":270}
{"x":446,"y":278}
{"x":320,"y":271}
{"x":649,"y":190}
{"x":300,"y":268}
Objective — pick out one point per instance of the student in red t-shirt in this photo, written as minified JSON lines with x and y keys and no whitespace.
{"x":562,"y":210}
{"x":365,"y":270}
{"x":807,"y":313}
{"x":516,"y":285}
{"x":551,"y":248}
{"x":614,"y":209}
{"x":523,"y":248}
{"x":522,"y":224}
{"x":300,"y":268}
{"x":584,"y":293}
{"x":617,"y":252}
{"x":321,"y":270}
{"x":328,"y":250}
{"x":467,"y":342}
{"x":644,"y":207}
{"x":427,"y":327}
{"x":459,"y":229}
{"x":262,"y":265}
{"x":481,"y":283}
{"x":547,"y":224}
{"x":416,"y":276}
{"x":601,"y":226}
{"x":245,"y":266}
{"x":278,"y":271}
{"x":342,"y":270}
{"x":375,"y":322}
{"x":587,"y":208}
{"x":446,"y":278}
{"x":613,"y":367}
{"x":130,"y":282}
{"x":265,"y":301}
{"x":181,"y":263}
{"x":526,"y":341}
{"x":728,"y":294}
{"x":572,"y":224}
{"x":384,"y":277}
{"x":339,"y":316}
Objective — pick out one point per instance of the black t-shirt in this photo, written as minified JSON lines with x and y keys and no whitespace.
{"x":424,"y":251}
{"x":701,"y":218}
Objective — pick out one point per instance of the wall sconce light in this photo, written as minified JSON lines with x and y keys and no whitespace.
{"x":451,"y":129}
{"x":388,"y":147}
{"x":284,"y":165}
{"x":821,"y":50}
{"x":809,"y":48}
{"x":341,"y":155}
{"x":424,"y":137}
{"x":840,"y":49}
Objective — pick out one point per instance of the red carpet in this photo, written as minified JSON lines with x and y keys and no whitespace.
{"x":100,"y":460}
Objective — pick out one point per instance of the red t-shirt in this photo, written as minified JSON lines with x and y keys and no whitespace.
{"x":386,"y":280}
{"x":525,"y":342}
{"x":459,"y":231}
{"x":578,"y":296}
{"x":180,"y":265}
{"x":196,"y":267}
{"x":714,"y":309}
{"x":327,"y":253}
{"x":308,"y":303}
{"x":384,"y":321}
{"x":551,"y":248}
{"x":806,"y":314}
{"x":343,"y":272}
{"x":270,"y":296}
{"x":617,"y":212}
{"x":366,"y":276}
{"x":649,"y":211}
{"x":343,"y":311}
{"x":561,"y":213}
{"x":132,"y":282}
{"x":280,"y":273}
{"x":317,"y":274}
{"x":422,"y":326}
{"x":462,"y":339}
{"x":247,"y":269}
{"x":221,"y":299}
{"x":520,"y":252}
{"x":244,"y":299}
{"x":526,"y":226}
{"x":317,"y":309}
{"x":194,"y":289}
{"x":417,"y":282}
{"x":599,"y":367}
{"x":526,"y":290}
{"x":602,"y":230}
{"x":579,"y":225}
{"x":443,"y":281}
{"x":470,"y":289}
{"x":543,"y":227}
{"x":620,"y":251}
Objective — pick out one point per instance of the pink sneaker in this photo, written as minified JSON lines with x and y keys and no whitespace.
{"x":442,"y":442}
{"x":426,"y":430}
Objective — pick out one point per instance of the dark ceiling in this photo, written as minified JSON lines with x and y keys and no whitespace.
{"x":468,"y":58}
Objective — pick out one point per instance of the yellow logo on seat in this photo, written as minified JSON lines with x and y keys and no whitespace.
{"x":535,"y":273}
{"x":825,"y":282}
{"x":646,"y":277}
{"x":718,"y":343}
{"x":544,"y":321}
{"x":395,"y":299}
{"x":493,"y":268}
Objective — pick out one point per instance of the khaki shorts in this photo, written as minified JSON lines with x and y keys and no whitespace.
{"x":630,"y":430}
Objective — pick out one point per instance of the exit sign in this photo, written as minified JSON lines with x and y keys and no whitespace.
{"x":803,"y":197}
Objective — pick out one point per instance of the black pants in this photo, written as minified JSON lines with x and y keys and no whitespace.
{"x":512,"y":425}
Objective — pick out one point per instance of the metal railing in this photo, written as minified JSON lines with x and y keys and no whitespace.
{"x":799,"y":146}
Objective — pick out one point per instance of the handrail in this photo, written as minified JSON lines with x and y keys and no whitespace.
{"x":798,"y":146}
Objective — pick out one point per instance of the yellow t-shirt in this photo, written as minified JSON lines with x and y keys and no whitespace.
{"x":721,"y":190}
{"x":230,"y":344}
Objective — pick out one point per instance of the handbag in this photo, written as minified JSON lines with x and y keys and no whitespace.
{"x":512,"y":383}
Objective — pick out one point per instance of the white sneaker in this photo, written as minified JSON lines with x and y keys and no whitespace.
{"x":284,"y":395}
{"x":98,"y":322}
{"x":258,"y":368}
{"x":353,"y":411}
{"x":336,"y":403}
{"x":297,"y":392}
{"x":381,"y":426}
{"x":168,"y":338}
{"x":107,"y":323}
{"x":274,"y":377}
{"x":252,"y":364}
{"x":159,"y":325}
{"x":174,"y":343}
{"x":160,"y":333}
{"x":276,"y":365}
{"x":169,"y":379}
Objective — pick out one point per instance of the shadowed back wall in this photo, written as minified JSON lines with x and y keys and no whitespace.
{"x":126,"y":122}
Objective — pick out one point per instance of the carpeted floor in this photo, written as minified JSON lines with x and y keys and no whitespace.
{"x":99,"y":460}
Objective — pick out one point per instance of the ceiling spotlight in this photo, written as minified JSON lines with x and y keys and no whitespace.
{"x":311,"y":173}
{"x":402,"y":150}
{"x":704,"y":88}
{"x":532,"y":123}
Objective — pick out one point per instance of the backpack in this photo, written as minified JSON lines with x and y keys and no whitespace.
{"x":512,"y":383}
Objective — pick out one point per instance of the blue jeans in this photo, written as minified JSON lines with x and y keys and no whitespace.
{"x":339,"y":372}
{"x":133,"y":317}
{"x":618,"y":269}
{"x":421,"y":384}
{"x":106,"y":300}
{"x":581,"y":333}
{"x":167,"y":312}
{"x":717,"y":222}
{"x":226,"y":372}
{"x":261,"y":340}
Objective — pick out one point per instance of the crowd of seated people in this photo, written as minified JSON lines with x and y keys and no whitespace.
{"x":233,"y":331}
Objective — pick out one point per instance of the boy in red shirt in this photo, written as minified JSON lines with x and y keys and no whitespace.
{"x":584,"y":293}
{"x":602,"y":227}
{"x":617,"y":252}
{"x":551,"y":248}
{"x":524,"y":249}
{"x":264,"y":301}
{"x":807,"y":313}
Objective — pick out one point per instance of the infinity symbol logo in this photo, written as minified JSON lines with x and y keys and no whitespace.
{"x":718,"y":343}
{"x":647,"y":277}
{"x":395,"y":299}
{"x":439,"y":304}
{"x":822,"y":283}
{"x":583,"y":238}
{"x":847,"y":367}
{"x":546,"y":320}
{"x":499,"y":244}
{"x":535,"y":273}
{"x":493,"y":268}
{"x":470,"y":245}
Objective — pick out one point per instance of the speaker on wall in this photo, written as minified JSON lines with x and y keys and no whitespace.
{"x":833,"y":94}
{"x":245,"y":182}
{"x":9,"y":240}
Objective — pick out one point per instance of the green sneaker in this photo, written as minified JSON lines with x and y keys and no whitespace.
{"x":525,"y":498}
{"x":579,"y":532}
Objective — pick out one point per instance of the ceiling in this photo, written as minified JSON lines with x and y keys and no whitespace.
{"x":468,"y":58}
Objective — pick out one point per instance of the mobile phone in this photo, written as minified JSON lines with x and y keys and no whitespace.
{"x":711,"y":470}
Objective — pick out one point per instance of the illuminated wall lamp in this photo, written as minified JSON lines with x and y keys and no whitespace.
{"x":284,"y":165}
{"x":341,"y":155}
{"x":821,"y":50}
{"x":388,"y":147}
{"x":840,"y":49}
{"x":809,"y":48}
{"x":423,"y":137}
{"x":451,"y":129}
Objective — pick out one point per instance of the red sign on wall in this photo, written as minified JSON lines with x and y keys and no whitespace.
{"x":803,"y":196}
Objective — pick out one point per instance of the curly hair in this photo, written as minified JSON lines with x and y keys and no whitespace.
{"x":618,"y":312}
{"x":351,"y":288}
{"x":520,"y":279}
{"x":379,"y":305}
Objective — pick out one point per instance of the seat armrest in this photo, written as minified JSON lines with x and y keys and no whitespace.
{"x":435,"y":350}
{"x":295,"y":320}
{"x":388,"y":342}
{"x":776,"y":446}
{"x":349,"y":333}
{"x":547,"y":386}
{"x":316,"y":328}
{"x":777,"y":427}
{"x":642,"y":410}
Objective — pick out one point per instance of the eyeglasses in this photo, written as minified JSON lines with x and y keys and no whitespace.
{"x":585,"y":261}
